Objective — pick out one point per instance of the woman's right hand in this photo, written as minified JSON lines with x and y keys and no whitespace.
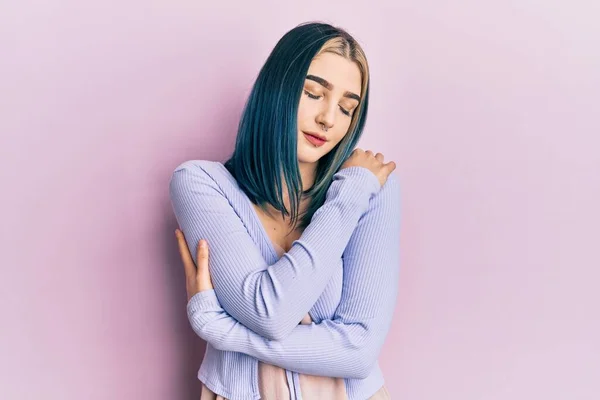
{"x":374,"y":163}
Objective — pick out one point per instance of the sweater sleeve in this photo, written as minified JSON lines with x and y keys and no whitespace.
{"x":268,"y":299}
{"x":347,"y":345}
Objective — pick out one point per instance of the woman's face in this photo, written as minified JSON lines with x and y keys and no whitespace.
{"x":331,"y":94}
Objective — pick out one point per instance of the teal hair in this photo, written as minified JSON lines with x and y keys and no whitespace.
{"x":266,"y":143}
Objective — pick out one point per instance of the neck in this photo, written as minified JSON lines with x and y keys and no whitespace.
{"x":308,"y":173}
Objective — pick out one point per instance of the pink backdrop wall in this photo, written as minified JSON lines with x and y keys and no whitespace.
{"x":490,"y":111}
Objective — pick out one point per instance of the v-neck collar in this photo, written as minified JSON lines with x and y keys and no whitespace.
{"x":254,"y":216}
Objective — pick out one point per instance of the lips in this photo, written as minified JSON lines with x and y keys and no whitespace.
{"x":315,"y":140}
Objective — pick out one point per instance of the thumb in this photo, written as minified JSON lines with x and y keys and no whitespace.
{"x":203,"y":273}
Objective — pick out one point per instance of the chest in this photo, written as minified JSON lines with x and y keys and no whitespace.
{"x":282,"y":236}
{"x":279,"y":231}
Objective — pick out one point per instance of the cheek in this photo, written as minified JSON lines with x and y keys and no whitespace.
{"x":304,"y":110}
{"x":343,"y":126}
{"x":308,"y":110}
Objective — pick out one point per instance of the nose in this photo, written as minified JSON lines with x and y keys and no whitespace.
{"x":327,"y":115}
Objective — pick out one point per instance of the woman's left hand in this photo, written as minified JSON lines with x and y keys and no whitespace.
{"x":197,"y":279}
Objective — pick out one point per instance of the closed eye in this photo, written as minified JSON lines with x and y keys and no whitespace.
{"x":312,"y":96}
{"x":315,"y":97}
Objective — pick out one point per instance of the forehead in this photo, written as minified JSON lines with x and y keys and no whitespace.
{"x":343,"y":74}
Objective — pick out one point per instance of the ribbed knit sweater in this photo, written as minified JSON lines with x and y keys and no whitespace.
{"x":343,"y":271}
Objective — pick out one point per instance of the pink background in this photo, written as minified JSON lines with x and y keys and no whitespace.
{"x":491,"y":112}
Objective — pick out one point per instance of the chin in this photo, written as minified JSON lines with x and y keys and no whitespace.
{"x":309,"y":159}
{"x":311,"y":154}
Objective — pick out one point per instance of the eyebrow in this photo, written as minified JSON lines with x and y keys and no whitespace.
{"x":329,"y":86}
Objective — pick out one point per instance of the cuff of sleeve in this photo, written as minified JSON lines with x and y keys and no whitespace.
{"x":363,"y":177}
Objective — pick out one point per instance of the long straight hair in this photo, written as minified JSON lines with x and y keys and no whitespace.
{"x":266,"y":145}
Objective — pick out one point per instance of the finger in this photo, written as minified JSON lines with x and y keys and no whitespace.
{"x":390,"y":166}
{"x":379,"y":157}
{"x":203,"y":274}
{"x":186,"y":256}
{"x":369,"y":152}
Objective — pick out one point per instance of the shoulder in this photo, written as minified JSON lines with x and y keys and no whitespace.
{"x":199,"y":176}
{"x":197,"y":166}
{"x":201,"y":193}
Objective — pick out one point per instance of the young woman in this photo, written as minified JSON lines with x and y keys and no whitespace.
{"x":303,"y":231}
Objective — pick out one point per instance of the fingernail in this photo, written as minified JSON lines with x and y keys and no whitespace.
{"x":203,"y":243}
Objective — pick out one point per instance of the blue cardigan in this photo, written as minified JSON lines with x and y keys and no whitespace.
{"x":343,"y":271}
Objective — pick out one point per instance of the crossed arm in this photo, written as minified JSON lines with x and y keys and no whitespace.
{"x":348,"y":344}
